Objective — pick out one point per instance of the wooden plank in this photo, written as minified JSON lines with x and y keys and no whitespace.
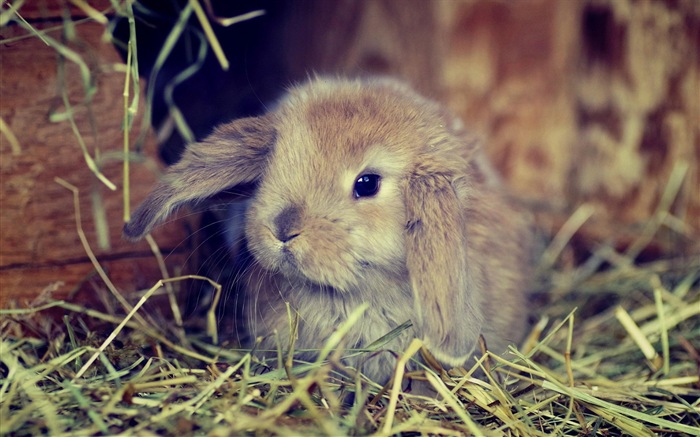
{"x":40,"y":244}
{"x":33,"y":10}
{"x":22,"y":286}
{"x":579,"y":102}
{"x":571,"y":110}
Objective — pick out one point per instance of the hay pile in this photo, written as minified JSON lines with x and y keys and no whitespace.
{"x":632,"y":368}
{"x":614,"y":351}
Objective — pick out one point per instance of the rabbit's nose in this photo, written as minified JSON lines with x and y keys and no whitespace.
{"x":287,"y":223}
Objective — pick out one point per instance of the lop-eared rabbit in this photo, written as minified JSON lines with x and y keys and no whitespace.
{"x":364,"y":192}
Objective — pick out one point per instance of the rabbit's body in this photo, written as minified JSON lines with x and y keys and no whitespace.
{"x":320,"y":311}
{"x":365,"y":192}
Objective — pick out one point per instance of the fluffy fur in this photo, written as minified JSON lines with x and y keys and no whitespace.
{"x":438,"y":244}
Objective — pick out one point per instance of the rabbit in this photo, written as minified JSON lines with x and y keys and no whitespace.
{"x":364,"y":191}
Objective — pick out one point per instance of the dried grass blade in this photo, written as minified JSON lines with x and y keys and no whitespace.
{"x":665,"y":348}
{"x":172,"y":299}
{"x":673,"y":187}
{"x":91,"y":12}
{"x":168,"y":94}
{"x":225,"y":22}
{"x":126,"y":186}
{"x":618,"y":409}
{"x":26,"y":379}
{"x":638,"y":337}
{"x":412,"y":349}
{"x":86,"y":406}
{"x":163,"y":54}
{"x":118,"y":329}
{"x":6,"y":15}
{"x":209,"y":32}
{"x":562,"y":238}
{"x":626,"y":425}
{"x":88,"y":250}
{"x":11,"y":138}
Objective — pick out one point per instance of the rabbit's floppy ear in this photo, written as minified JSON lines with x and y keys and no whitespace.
{"x":446,"y":298}
{"x":235,"y":153}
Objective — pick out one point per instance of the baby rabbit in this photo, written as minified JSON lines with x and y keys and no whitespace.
{"x":364,"y":192}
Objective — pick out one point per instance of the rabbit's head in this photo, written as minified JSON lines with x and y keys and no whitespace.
{"x":354,"y":181}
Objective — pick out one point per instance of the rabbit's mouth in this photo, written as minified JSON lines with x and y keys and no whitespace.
{"x":336,"y":272}
{"x":322,"y":256}
{"x":287,"y":260}
{"x":306,"y":247}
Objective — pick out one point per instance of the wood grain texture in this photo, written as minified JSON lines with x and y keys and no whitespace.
{"x":590,"y":101}
{"x":40,"y":244}
{"x":55,"y":10}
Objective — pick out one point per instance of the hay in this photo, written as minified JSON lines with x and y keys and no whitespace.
{"x":631,"y":369}
{"x":615,"y":351}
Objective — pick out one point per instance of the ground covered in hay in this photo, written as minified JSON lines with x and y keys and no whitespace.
{"x":612,"y":353}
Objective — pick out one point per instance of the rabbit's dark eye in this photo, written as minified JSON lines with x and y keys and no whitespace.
{"x":367,"y":185}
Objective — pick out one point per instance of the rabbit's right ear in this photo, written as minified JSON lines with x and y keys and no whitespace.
{"x":235,"y":153}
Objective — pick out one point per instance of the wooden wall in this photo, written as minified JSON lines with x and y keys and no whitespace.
{"x":593,"y":101}
{"x":40,"y":249}
{"x":590,"y":101}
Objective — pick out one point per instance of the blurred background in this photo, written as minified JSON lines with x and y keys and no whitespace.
{"x":589,"y":108}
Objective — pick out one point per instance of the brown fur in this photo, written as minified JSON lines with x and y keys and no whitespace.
{"x":438,"y":244}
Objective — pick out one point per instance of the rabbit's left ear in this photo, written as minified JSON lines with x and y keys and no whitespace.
{"x":235,"y":154}
{"x":445,"y":297}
